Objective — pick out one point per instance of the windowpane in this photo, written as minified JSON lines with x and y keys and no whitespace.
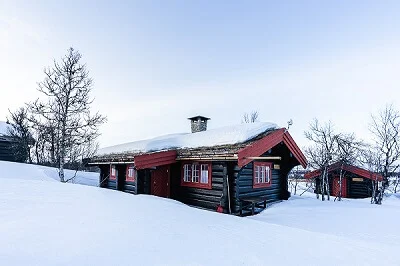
{"x":204,"y":174}
{"x":267,"y":174}
{"x":195,"y":173}
{"x":130,"y":172}
{"x":187,"y":172}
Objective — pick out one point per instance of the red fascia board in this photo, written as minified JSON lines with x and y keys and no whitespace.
{"x":261,"y":146}
{"x":349,"y":168}
{"x":312,"y":174}
{"x":362,"y":172}
{"x":155,"y":159}
{"x":296,"y":151}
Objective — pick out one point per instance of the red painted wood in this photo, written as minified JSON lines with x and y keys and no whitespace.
{"x":336,"y":187}
{"x":155,"y":159}
{"x":197,"y":185}
{"x":261,"y":146}
{"x":160,"y":182}
{"x":349,"y":168}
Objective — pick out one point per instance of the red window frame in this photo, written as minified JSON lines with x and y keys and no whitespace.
{"x":268,"y":171}
{"x":113,"y":177}
{"x":129,"y":177}
{"x":192,"y":181}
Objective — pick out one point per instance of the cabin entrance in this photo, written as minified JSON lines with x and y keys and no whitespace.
{"x":336,"y":187}
{"x":160,"y":180}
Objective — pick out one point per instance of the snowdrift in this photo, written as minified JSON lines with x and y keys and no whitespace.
{"x":37,"y":172}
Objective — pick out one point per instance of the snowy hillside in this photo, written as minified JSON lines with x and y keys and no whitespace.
{"x":50,"y":223}
{"x":36,"y":172}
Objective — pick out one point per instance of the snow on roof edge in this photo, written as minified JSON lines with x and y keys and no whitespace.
{"x":212,"y":137}
{"x":4,"y":127}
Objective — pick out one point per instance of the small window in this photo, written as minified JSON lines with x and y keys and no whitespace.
{"x":130,"y":173}
{"x":262,"y":174}
{"x":113,"y":172}
{"x":196,"y":175}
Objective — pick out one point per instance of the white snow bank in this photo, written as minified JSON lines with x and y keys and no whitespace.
{"x":24,"y":171}
{"x":219,"y":136}
{"x":4,"y":127}
{"x":49,"y":223}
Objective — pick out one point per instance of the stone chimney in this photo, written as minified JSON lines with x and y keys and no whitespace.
{"x":198,"y":123}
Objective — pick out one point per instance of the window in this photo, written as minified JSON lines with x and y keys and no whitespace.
{"x":196,"y":175}
{"x":130,"y":173}
{"x":113,"y":172}
{"x":262,"y":174}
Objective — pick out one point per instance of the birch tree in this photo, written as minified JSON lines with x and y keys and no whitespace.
{"x":65,"y":112}
{"x":385,"y":128}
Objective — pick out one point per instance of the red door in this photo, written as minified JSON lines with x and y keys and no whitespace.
{"x":160,"y":181}
{"x":336,"y":187}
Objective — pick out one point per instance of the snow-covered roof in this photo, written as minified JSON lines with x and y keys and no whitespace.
{"x":212,"y":137}
{"x":4,"y":128}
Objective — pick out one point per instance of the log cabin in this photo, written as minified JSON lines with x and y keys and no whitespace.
{"x":356,"y":182}
{"x":237,"y":170}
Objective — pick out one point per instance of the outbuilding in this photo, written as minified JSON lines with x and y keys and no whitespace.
{"x":6,"y":143}
{"x":355,"y":183}
{"x":235,"y":169}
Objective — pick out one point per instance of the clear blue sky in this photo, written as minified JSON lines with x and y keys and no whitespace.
{"x":155,"y":63}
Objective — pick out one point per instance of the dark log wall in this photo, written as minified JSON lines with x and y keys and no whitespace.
{"x":359,"y":190}
{"x":5,"y":151}
{"x":105,"y":178}
{"x":204,"y":198}
{"x":354,"y":189}
{"x":143,"y":181}
{"x":242,"y":186}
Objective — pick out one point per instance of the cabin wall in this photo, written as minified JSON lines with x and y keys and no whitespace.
{"x":200,"y":197}
{"x":143,"y":181}
{"x":357,"y":189}
{"x":123,"y":184}
{"x":354,"y":189}
{"x":242,"y":186}
{"x":5,"y":151}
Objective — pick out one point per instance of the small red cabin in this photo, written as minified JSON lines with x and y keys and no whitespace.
{"x":356,"y":182}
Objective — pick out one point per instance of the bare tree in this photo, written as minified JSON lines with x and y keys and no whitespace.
{"x":371,"y":159}
{"x":20,"y":131}
{"x":64,"y":117}
{"x":294,"y":178}
{"x":250,"y":118}
{"x":328,"y":147}
{"x":385,"y":128}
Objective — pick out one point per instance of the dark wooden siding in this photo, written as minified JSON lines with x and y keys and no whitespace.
{"x":204,"y":198}
{"x":6,"y":151}
{"x":130,"y":187}
{"x":358,"y":190}
{"x":105,"y":175}
{"x":243,"y":186}
{"x":143,"y":181}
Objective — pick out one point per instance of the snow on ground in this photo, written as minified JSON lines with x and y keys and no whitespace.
{"x":37,"y":172}
{"x":50,"y":223}
{"x":211,"y":137}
